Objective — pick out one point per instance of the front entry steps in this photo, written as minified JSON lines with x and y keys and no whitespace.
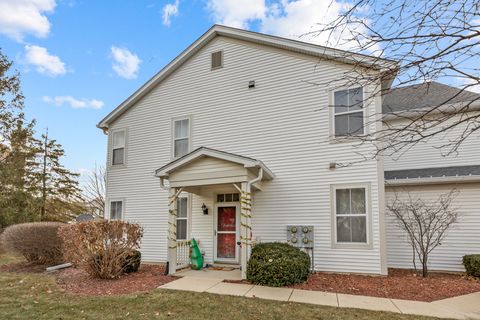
{"x":232,"y":274}
{"x":223,"y":266}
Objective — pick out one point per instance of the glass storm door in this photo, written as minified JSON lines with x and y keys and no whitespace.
{"x":227,"y":233}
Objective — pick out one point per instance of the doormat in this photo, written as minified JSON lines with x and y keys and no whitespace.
{"x":221,"y":268}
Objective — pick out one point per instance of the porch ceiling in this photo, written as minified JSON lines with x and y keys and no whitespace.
{"x":205,"y":166}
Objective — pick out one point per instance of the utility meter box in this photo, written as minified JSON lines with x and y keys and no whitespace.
{"x":300,"y":236}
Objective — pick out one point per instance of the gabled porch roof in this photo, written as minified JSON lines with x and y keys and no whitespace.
{"x":248,"y":163}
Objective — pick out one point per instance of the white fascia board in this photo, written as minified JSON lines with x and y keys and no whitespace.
{"x":287,"y":44}
{"x":162,"y":74}
{"x":308,"y":48}
{"x":205,"y":152}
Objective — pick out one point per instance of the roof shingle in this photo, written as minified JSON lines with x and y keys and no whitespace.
{"x":425,"y":95}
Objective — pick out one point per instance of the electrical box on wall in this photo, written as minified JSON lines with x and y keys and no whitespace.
{"x":300,"y":236}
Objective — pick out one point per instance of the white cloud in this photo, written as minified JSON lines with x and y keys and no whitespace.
{"x":469,"y":84}
{"x":43,"y":61}
{"x":236,"y":13}
{"x":21,"y":17}
{"x":170,"y":10}
{"x":290,"y":19}
{"x":294,"y":19}
{"x":125,"y":63}
{"x":74,"y":102}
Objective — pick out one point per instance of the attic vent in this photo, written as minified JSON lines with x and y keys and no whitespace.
{"x":217,"y":60}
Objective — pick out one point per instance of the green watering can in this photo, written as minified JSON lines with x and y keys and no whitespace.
{"x":196,"y":257}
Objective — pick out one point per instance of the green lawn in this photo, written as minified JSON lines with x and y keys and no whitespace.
{"x":34,"y":296}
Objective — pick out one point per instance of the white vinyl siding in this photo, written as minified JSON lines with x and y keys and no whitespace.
{"x":348,"y":112}
{"x":116,"y":210}
{"x":118,"y":147}
{"x":279,"y":123}
{"x":461,"y":239}
{"x":182,"y":218}
{"x":181,"y":137}
{"x":434,"y":152}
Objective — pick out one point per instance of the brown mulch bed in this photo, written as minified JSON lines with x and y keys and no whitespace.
{"x":148,"y":277}
{"x":399,"y":284}
{"x":24,"y":267}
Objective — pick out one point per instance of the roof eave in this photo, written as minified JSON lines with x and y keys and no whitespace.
{"x":293,"y":45}
{"x":164,"y":171}
{"x":473,"y":105}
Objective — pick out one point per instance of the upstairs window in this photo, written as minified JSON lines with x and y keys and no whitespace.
{"x":116,"y":210}
{"x":181,"y":137}
{"x":118,"y":147}
{"x":217,"y":60}
{"x":348,"y":112}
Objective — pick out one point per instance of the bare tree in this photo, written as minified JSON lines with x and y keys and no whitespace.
{"x":425,"y":222}
{"x":94,"y":190}
{"x":435,"y":40}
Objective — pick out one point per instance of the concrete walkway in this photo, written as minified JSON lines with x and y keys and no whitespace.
{"x":463,"y":307}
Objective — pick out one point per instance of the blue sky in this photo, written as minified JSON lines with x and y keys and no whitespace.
{"x":82,"y":34}
{"x":66,"y":50}
{"x":79,"y":59}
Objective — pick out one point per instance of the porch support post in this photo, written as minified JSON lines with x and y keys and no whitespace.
{"x":245,"y":226}
{"x":172,"y":231}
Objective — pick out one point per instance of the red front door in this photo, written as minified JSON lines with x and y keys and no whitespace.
{"x":227,"y":233}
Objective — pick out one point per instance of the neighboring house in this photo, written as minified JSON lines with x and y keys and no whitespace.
{"x":237,"y":132}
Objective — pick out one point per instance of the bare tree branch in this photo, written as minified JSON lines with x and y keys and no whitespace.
{"x":94,"y":191}
{"x":424,"y":222}
{"x":431,"y":41}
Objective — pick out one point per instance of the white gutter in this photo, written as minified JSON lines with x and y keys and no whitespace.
{"x":432,"y":180}
{"x":447,"y":108}
{"x":162,"y":184}
{"x":259,"y":178}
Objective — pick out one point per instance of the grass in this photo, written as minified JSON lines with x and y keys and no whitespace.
{"x":36,"y":296}
{"x":7,"y":258}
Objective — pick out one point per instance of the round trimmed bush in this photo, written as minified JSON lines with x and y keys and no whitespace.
{"x":472,"y":265}
{"x":38,"y":242}
{"x":277,"y":264}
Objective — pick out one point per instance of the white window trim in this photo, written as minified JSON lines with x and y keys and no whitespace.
{"x":368,"y":223}
{"x":332,"y":114}
{"x":122,"y":200}
{"x":172,"y":132}
{"x":110,"y":148}
{"x":188,"y":217}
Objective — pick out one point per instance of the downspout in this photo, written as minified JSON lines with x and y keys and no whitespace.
{"x":259,"y":178}
{"x":162,"y":184}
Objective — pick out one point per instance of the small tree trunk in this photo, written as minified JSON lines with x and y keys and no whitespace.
{"x":424,"y":267}
{"x":413,"y":259}
{"x":44,"y":178}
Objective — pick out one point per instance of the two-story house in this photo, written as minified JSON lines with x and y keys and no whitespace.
{"x":235,"y":140}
